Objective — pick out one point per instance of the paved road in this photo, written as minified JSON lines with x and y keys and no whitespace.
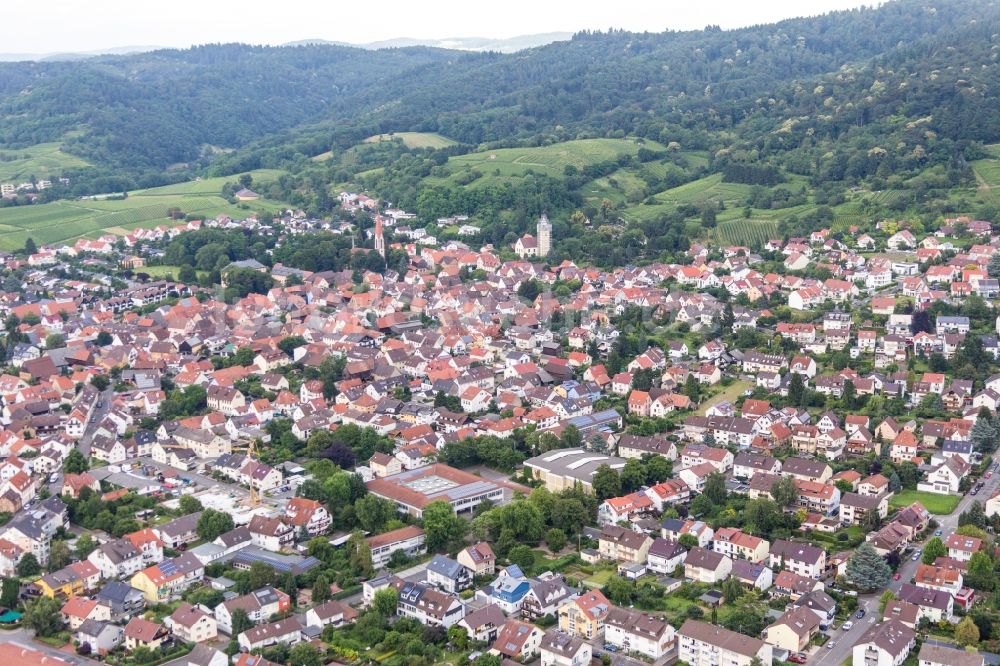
{"x":25,"y":638}
{"x":870,"y":603}
{"x":98,"y":415}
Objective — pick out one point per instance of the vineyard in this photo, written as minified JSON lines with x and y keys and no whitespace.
{"x":752,"y":233}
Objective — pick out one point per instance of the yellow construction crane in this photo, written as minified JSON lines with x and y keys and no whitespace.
{"x":250,"y":450}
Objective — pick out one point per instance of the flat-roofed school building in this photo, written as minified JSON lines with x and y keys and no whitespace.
{"x":415,"y":489}
{"x":563,"y":468}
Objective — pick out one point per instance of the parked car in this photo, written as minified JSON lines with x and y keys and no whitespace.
{"x":848,"y":626}
{"x":896,"y":576}
{"x":861,"y":614}
{"x":937,"y":532}
{"x":797,"y":658}
{"x":831,"y":645}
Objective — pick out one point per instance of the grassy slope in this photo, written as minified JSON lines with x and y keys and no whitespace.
{"x":65,"y":221}
{"x":503,"y":163}
{"x":44,"y":161}
{"x":415,"y":139}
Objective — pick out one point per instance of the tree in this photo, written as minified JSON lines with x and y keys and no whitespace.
{"x":689,"y":541}
{"x":104,"y":339}
{"x":444,"y":529}
{"x":692,"y":388}
{"x":9,"y":592}
{"x":633,"y":475}
{"x":934,"y":549}
{"x":384,"y":602}
{"x":619,"y":591}
{"x":212,"y":523}
{"x":993,"y":267}
{"x":555,"y":538}
{"x":884,"y":600}
{"x":240,"y":622}
{"x":751,"y":620}
{"x":75,"y":463}
{"x":975,"y":516}
{"x":967,"y":633}
{"x":606,"y":483}
{"x":43,"y":616}
{"x":522,"y":556}
{"x":54,"y":341}
{"x":715,"y":488}
{"x":85,"y":545}
{"x":189,"y":504}
{"x":980,"y":572}
{"x":304,"y":654}
{"x":29,"y":246}
{"x":59,"y":555}
{"x":290,"y":586}
{"x":732,"y":589}
{"x":361,"y":554}
{"x":29,"y":567}
{"x":457,"y":637}
{"x":187,"y":274}
{"x":796,"y":390}
{"x":100,"y":382}
{"x":867,"y":570}
{"x":984,"y":432}
{"x":784,"y":492}
{"x":570,"y":438}
{"x":321,"y":589}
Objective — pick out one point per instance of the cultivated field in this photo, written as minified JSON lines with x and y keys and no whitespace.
{"x":65,"y":221}
{"x":549,"y":160}
{"x":746,"y":232}
{"x":44,"y":161}
{"x":415,"y":139}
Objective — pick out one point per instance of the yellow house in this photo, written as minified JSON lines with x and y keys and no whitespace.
{"x":624,"y":545}
{"x":585,"y":615}
{"x":74,"y":580}
{"x":793,"y":630}
{"x":166,"y":580}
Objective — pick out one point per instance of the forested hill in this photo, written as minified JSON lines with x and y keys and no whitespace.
{"x":926,"y":60}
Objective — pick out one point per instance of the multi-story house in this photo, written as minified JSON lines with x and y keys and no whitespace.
{"x":706,"y":566}
{"x":738,"y":545}
{"x":562,"y":649}
{"x":885,"y":644}
{"x":584,"y":616}
{"x":624,"y":545}
{"x":428,"y":606}
{"x":191,"y":624}
{"x":259,"y":605}
{"x":704,"y":644}
{"x":798,"y":558}
{"x":634,"y":631}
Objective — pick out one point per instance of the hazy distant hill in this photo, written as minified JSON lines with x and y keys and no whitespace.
{"x":509,"y":45}
{"x":771,"y":90}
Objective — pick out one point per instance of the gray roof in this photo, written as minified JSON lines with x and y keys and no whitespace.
{"x":445,"y":566}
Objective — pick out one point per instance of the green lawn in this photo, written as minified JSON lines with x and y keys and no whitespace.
{"x":44,"y":161}
{"x":415,"y":139}
{"x":599,"y":578}
{"x":940,"y":505}
{"x":65,"y":221}
{"x":729,"y":393}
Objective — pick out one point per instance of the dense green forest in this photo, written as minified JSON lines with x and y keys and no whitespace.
{"x":846,"y":116}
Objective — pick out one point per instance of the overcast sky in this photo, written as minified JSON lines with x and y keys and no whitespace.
{"x":86,"y":25}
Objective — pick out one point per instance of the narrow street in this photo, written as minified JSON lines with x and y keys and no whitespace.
{"x":907,"y":569}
